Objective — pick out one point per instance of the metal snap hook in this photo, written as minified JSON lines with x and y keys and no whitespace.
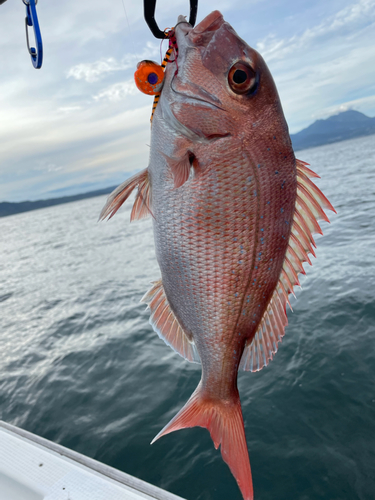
{"x":31,"y":20}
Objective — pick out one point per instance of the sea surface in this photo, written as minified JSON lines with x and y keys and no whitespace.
{"x":81,"y":366}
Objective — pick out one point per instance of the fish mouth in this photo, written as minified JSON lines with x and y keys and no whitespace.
{"x":194,"y":92}
{"x":198,"y":36}
{"x":187,"y":92}
{"x":209,"y":24}
{"x":212,"y":22}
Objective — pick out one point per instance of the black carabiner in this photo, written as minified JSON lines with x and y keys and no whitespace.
{"x":149,"y":13}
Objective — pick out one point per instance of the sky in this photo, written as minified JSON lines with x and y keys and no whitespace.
{"x":79,"y":124}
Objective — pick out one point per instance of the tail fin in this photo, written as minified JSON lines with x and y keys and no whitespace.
{"x":225,"y":423}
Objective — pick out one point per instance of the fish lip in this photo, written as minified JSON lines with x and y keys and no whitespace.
{"x":188,"y":97}
{"x":195,"y":92}
{"x":212,"y":22}
{"x":191,"y":91}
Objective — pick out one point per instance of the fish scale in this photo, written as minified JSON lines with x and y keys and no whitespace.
{"x":233,"y":217}
{"x":205,"y":256}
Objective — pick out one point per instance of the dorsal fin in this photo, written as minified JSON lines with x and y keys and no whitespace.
{"x":166,"y":325}
{"x":141,"y":206}
{"x":310,"y":203}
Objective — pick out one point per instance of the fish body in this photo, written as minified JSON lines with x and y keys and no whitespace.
{"x":233,"y":216}
{"x":221,"y":237}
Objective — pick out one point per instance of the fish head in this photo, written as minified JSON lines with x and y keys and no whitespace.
{"x":218,"y":85}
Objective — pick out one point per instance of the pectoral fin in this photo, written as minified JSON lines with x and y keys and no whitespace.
{"x":141,"y":206}
{"x":181,"y":167}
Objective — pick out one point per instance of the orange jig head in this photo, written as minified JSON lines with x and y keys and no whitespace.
{"x":149,"y":77}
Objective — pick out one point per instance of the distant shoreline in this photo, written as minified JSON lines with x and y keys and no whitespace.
{"x":10,"y":208}
{"x":344,"y":126}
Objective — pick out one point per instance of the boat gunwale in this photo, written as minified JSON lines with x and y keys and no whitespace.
{"x":103,"y":469}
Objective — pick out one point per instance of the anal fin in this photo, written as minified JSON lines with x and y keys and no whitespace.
{"x":166,"y":325}
{"x":260,"y":350}
{"x":141,"y":207}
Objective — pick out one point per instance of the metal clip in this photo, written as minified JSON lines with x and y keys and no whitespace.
{"x":31,"y":20}
{"x":149,"y":13}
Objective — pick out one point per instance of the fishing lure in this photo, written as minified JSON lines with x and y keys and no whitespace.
{"x":149,"y":76}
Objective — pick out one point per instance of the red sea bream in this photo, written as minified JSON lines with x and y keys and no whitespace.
{"x":233,"y":214}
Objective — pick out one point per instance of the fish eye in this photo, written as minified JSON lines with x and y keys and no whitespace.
{"x":242,"y":78}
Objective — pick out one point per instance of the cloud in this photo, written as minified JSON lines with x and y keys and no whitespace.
{"x":362,"y":104}
{"x":117,"y":92}
{"x":43,"y":166}
{"x":103,"y":151}
{"x":94,"y":71}
{"x":326,"y":65}
{"x":346,"y":22}
{"x":91,"y":72}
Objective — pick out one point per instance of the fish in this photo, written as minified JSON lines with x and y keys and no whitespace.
{"x":233,"y":212}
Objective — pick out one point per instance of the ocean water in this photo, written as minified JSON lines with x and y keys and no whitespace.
{"x":81,"y":366}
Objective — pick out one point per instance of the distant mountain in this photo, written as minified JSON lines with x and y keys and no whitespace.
{"x":345,"y":125}
{"x":7,"y":208}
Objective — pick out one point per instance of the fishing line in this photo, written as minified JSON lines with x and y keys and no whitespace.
{"x":130,"y":31}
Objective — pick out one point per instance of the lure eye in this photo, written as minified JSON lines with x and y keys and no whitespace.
{"x":242,"y":78}
{"x":149,"y":77}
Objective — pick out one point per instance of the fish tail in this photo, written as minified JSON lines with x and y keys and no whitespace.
{"x":225,"y":424}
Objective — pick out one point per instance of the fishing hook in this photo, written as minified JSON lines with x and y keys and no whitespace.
{"x":31,"y":20}
{"x":149,"y":13}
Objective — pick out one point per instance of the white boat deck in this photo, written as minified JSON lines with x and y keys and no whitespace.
{"x":33,"y":468}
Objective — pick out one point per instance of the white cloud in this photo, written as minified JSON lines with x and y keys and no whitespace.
{"x":353,"y":13}
{"x":117,"y":91}
{"x":92,"y":72}
{"x":357,"y":104}
{"x":327,"y":66}
{"x":345,"y":22}
{"x":42,"y":166}
{"x":94,"y":145}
